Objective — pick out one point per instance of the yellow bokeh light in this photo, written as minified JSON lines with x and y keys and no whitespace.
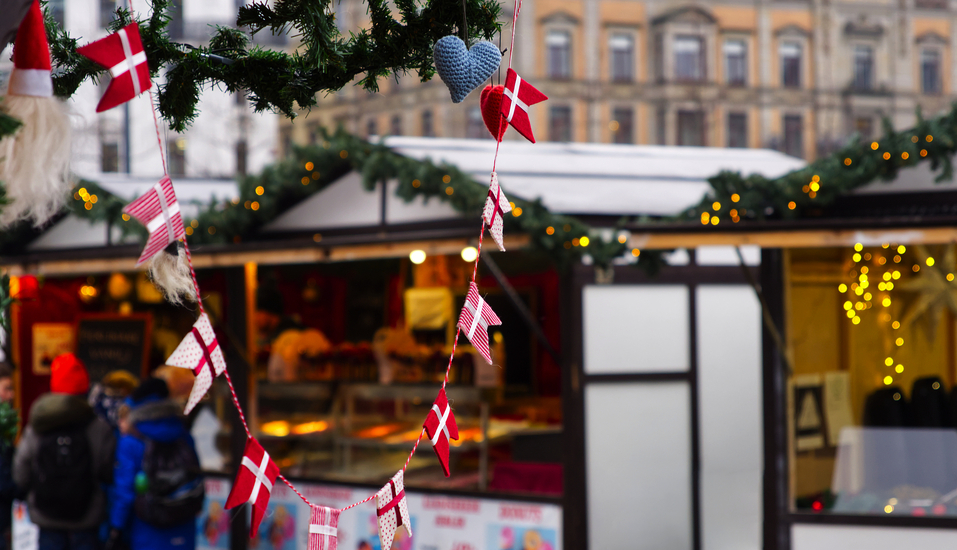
{"x":859,"y":306}
{"x":850,"y":314}
{"x":899,"y":342}
{"x":622,"y":238}
{"x":901,"y":249}
{"x":930,"y":262}
{"x":549,"y":230}
{"x":858,"y":247}
{"x":847,"y":162}
{"x":815,"y":186}
{"x":310,"y":166}
{"x":716,"y":206}
{"x":848,"y":305}
{"x":874,"y":145}
{"x":635,"y":252}
{"x":792,"y":205}
{"x":856,"y":320}
{"x":889,"y":361}
{"x":714,"y":220}
{"x":842,"y":288}
{"x":896,"y":275}
{"x":705,"y":218}
{"x":896,"y":325}
{"x":887,"y":156}
{"x":735,"y":197}
{"x":904,"y":155}
{"x":260,"y":190}
{"x":950,"y":276}
{"x":856,"y":257}
{"x":254,"y":205}
{"x":517,"y":211}
{"x":449,"y":190}
{"x":584,"y":241}
{"x":886,"y":302}
{"x":888,"y":380}
{"x":417,"y":256}
{"x":446,"y":178}
{"x":469,"y":253}
{"x":899,"y":369}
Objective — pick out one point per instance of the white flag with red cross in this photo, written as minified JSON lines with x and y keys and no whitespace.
{"x":201,"y":353}
{"x":323,"y":528}
{"x":519,"y":95}
{"x":254,"y":483}
{"x":475,"y":319}
{"x":122,"y":53}
{"x":441,"y":427}
{"x":496,"y":206}
{"x":392,"y":509}
{"x":158,"y":210}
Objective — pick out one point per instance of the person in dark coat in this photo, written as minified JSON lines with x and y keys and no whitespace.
{"x":152,"y":416}
{"x":65,"y":411}
{"x":8,"y":489}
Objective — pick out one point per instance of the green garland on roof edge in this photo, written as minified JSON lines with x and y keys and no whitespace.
{"x":282,"y":187}
{"x":325,"y":62}
{"x":855,"y":165}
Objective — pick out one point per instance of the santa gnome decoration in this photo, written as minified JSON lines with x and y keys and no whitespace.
{"x":34,"y":161}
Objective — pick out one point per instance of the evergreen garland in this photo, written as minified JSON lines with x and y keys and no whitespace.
{"x":326,"y":61}
{"x":803,"y":192}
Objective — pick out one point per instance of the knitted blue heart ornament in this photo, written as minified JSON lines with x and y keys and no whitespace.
{"x":464,"y":69}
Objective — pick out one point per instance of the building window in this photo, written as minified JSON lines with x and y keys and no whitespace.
{"x":794,"y":135}
{"x":560,"y":124}
{"x":395,"y":128}
{"x":109,"y":156}
{"x":622,"y":48}
{"x":475,"y":128}
{"x":661,"y":128}
{"x":691,"y":128}
{"x":558,"y":44}
{"x":177,"y":157}
{"x":863,"y":67}
{"x":930,"y":71}
{"x":737,"y":130}
{"x":689,"y":58}
{"x":57,"y":10}
{"x":107,"y":12}
{"x":736,"y":62}
{"x":242,"y":157}
{"x":622,"y":125}
{"x":790,"y":64}
{"x":864,"y":127}
{"x":428,"y":129}
{"x":372,"y":129}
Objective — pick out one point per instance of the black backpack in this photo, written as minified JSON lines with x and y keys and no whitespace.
{"x":175,"y":490}
{"x":63,"y":465}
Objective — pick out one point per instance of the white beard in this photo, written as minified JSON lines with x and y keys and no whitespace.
{"x":172,"y":276}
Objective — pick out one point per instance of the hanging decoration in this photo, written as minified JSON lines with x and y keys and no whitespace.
{"x":491,"y":103}
{"x":932,"y":290}
{"x":440,"y":427}
{"x":35,"y":157}
{"x":158,"y":210}
{"x":122,"y":53}
{"x":392,"y":509}
{"x":496,"y":206}
{"x":518,"y":96}
{"x":201,"y":353}
{"x":323,"y":528}
{"x":170,"y":273}
{"x":475,"y":319}
{"x":254,"y":483}
{"x":463,"y":69}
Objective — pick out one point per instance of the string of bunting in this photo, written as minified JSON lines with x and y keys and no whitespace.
{"x":159,"y":212}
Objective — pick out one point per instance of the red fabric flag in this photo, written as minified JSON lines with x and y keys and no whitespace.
{"x":475,"y":319}
{"x":158,"y":210}
{"x":254,"y":482}
{"x":392,"y":509}
{"x":440,"y":425}
{"x":496,"y":206}
{"x":323,"y":528}
{"x":519,"y":95}
{"x":199,"y":352}
{"x":122,"y":53}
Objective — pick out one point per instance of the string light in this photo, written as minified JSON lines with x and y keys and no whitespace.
{"x":735,"y":197}
{"x":899,"y":369}
{"x":842,"y":288}
{"x":888,"y":380}
{"x":417,"y":256}
{"x":584,"y":241}
{"x":635,"y":252}
{"x":469,"y":253}
{"x":930,"y":262}
{"x":889,"y":361}
{"x":309,"y":166}
{"x":896,"y":325}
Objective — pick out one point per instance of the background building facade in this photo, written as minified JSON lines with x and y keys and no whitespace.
{"x":797,"y":76}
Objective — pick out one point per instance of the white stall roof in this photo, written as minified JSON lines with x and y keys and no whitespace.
{"x":602,"y":179}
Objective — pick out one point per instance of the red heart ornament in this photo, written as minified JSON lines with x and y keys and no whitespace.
{"x":492,"y":111}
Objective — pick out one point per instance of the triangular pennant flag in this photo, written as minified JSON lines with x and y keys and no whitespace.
{"x":441,"y":427}
{"x":392,"y":509}
{"x":519,"y":95}
{"x":323,"y":528}
{"x":201,"y":353}
{"x":158,"y":210}
{"x":496,"y":206}
{"x":475,"y":319}
{"x":122,"y":53}
{"x":254,"y":482}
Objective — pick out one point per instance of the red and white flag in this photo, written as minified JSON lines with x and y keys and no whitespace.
{"x":323,"y":528}
{"x":440,"y":425}
{"x":201,"y":353}
{"x":519,"y":95}
{"x":122,"y":53}
{"x":158,"y":210}
{"x":475,"y":319}
{"x":392,"y":509}
{"x":254,"y":482}
{"x":496,"y":206}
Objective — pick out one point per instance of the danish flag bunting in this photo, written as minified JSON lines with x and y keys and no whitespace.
{"x":158,"y":210}
{"x":496,"y":206}
{"x":519,"y":95}
{"x":254,"y":482}
{"x":392,"y":509}
{"x":122,"y":53}
{"x":199,"y":352}
{"x":475,"y":319}
{"x":323,"y":528}
{"x":440,"y":425}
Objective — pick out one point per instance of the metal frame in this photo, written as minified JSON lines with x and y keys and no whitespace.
{"x":575,"y":505}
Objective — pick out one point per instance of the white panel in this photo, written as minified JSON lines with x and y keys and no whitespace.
{"x":344,"y":203}
{"x":846,"y":537}
{"x":635,"y":328}
{"x":729,"y":391}
{"x":416,"y":210}
{"x":726,"y":255}
{"x":638,"y":460}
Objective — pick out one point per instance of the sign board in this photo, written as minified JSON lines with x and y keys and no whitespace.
{"x":112,"y":342}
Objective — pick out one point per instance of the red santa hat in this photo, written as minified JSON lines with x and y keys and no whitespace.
{"x":31,"y":57}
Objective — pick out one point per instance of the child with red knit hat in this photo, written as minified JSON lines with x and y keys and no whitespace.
{"x":64,"y":458}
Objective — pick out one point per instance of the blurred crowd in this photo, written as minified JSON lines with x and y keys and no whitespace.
{"x":107,"y":467}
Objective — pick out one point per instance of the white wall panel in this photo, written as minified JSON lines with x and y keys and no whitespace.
{"x":847,"y":537}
